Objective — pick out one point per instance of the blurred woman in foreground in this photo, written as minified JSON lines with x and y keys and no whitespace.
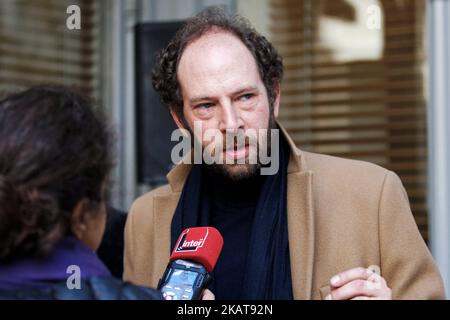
{"x":55,"y":158}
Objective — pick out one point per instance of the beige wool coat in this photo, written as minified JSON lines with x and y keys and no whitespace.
{"x":342,"y":214}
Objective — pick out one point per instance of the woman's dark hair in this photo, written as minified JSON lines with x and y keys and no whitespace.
{"x":165,"y":80}
{"x":55,"y":150}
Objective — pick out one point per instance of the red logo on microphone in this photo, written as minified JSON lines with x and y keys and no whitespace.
{"x":200,"y":244}
{"x":192,"y":239}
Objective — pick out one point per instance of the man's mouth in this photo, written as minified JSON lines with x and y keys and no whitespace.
{"x":237,"y":152}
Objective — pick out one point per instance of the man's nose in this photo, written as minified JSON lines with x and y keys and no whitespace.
{"x":230,"y":118}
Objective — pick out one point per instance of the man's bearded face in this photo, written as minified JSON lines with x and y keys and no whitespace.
{"x":223,"y":91}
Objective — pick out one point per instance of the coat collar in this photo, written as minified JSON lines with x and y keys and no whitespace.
{"x":300,"y":217}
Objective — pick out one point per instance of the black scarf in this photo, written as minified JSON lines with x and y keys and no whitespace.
{"x":268,"y":272}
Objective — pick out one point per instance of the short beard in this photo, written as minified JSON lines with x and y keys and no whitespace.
{"x":240,"y":172}
{"x":235,"y":172}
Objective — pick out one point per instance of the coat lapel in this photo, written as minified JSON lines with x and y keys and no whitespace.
{"x":164,"y":208}
{"x":301,"y":233}
{"x":300,"y":222}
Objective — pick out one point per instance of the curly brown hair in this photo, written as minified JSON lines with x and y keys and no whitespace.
{"x":55,"y":150}
{"x":164,"y":75}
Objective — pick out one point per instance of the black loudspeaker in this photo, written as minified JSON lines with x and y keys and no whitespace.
{"x":154,"y":124}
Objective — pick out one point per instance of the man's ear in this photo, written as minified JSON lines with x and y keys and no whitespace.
{"x":179,"y":122}
{"x":78,"y":219}
{"x":276,"y":102}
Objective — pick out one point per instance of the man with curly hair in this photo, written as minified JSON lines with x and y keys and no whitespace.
{"x":320,"y":227}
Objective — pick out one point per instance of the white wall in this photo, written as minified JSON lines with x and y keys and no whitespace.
{"x":257,"y":11}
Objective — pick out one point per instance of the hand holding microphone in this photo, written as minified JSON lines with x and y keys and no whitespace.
{"x":191,"y":263}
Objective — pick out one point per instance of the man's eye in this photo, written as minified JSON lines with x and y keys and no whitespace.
{"x":246,"y":97}
{"x":204,"y":106}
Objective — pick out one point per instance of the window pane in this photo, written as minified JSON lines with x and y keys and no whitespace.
{"x":354,"y":83}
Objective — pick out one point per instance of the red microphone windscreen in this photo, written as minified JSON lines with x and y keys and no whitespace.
{"x":201,"y":245}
